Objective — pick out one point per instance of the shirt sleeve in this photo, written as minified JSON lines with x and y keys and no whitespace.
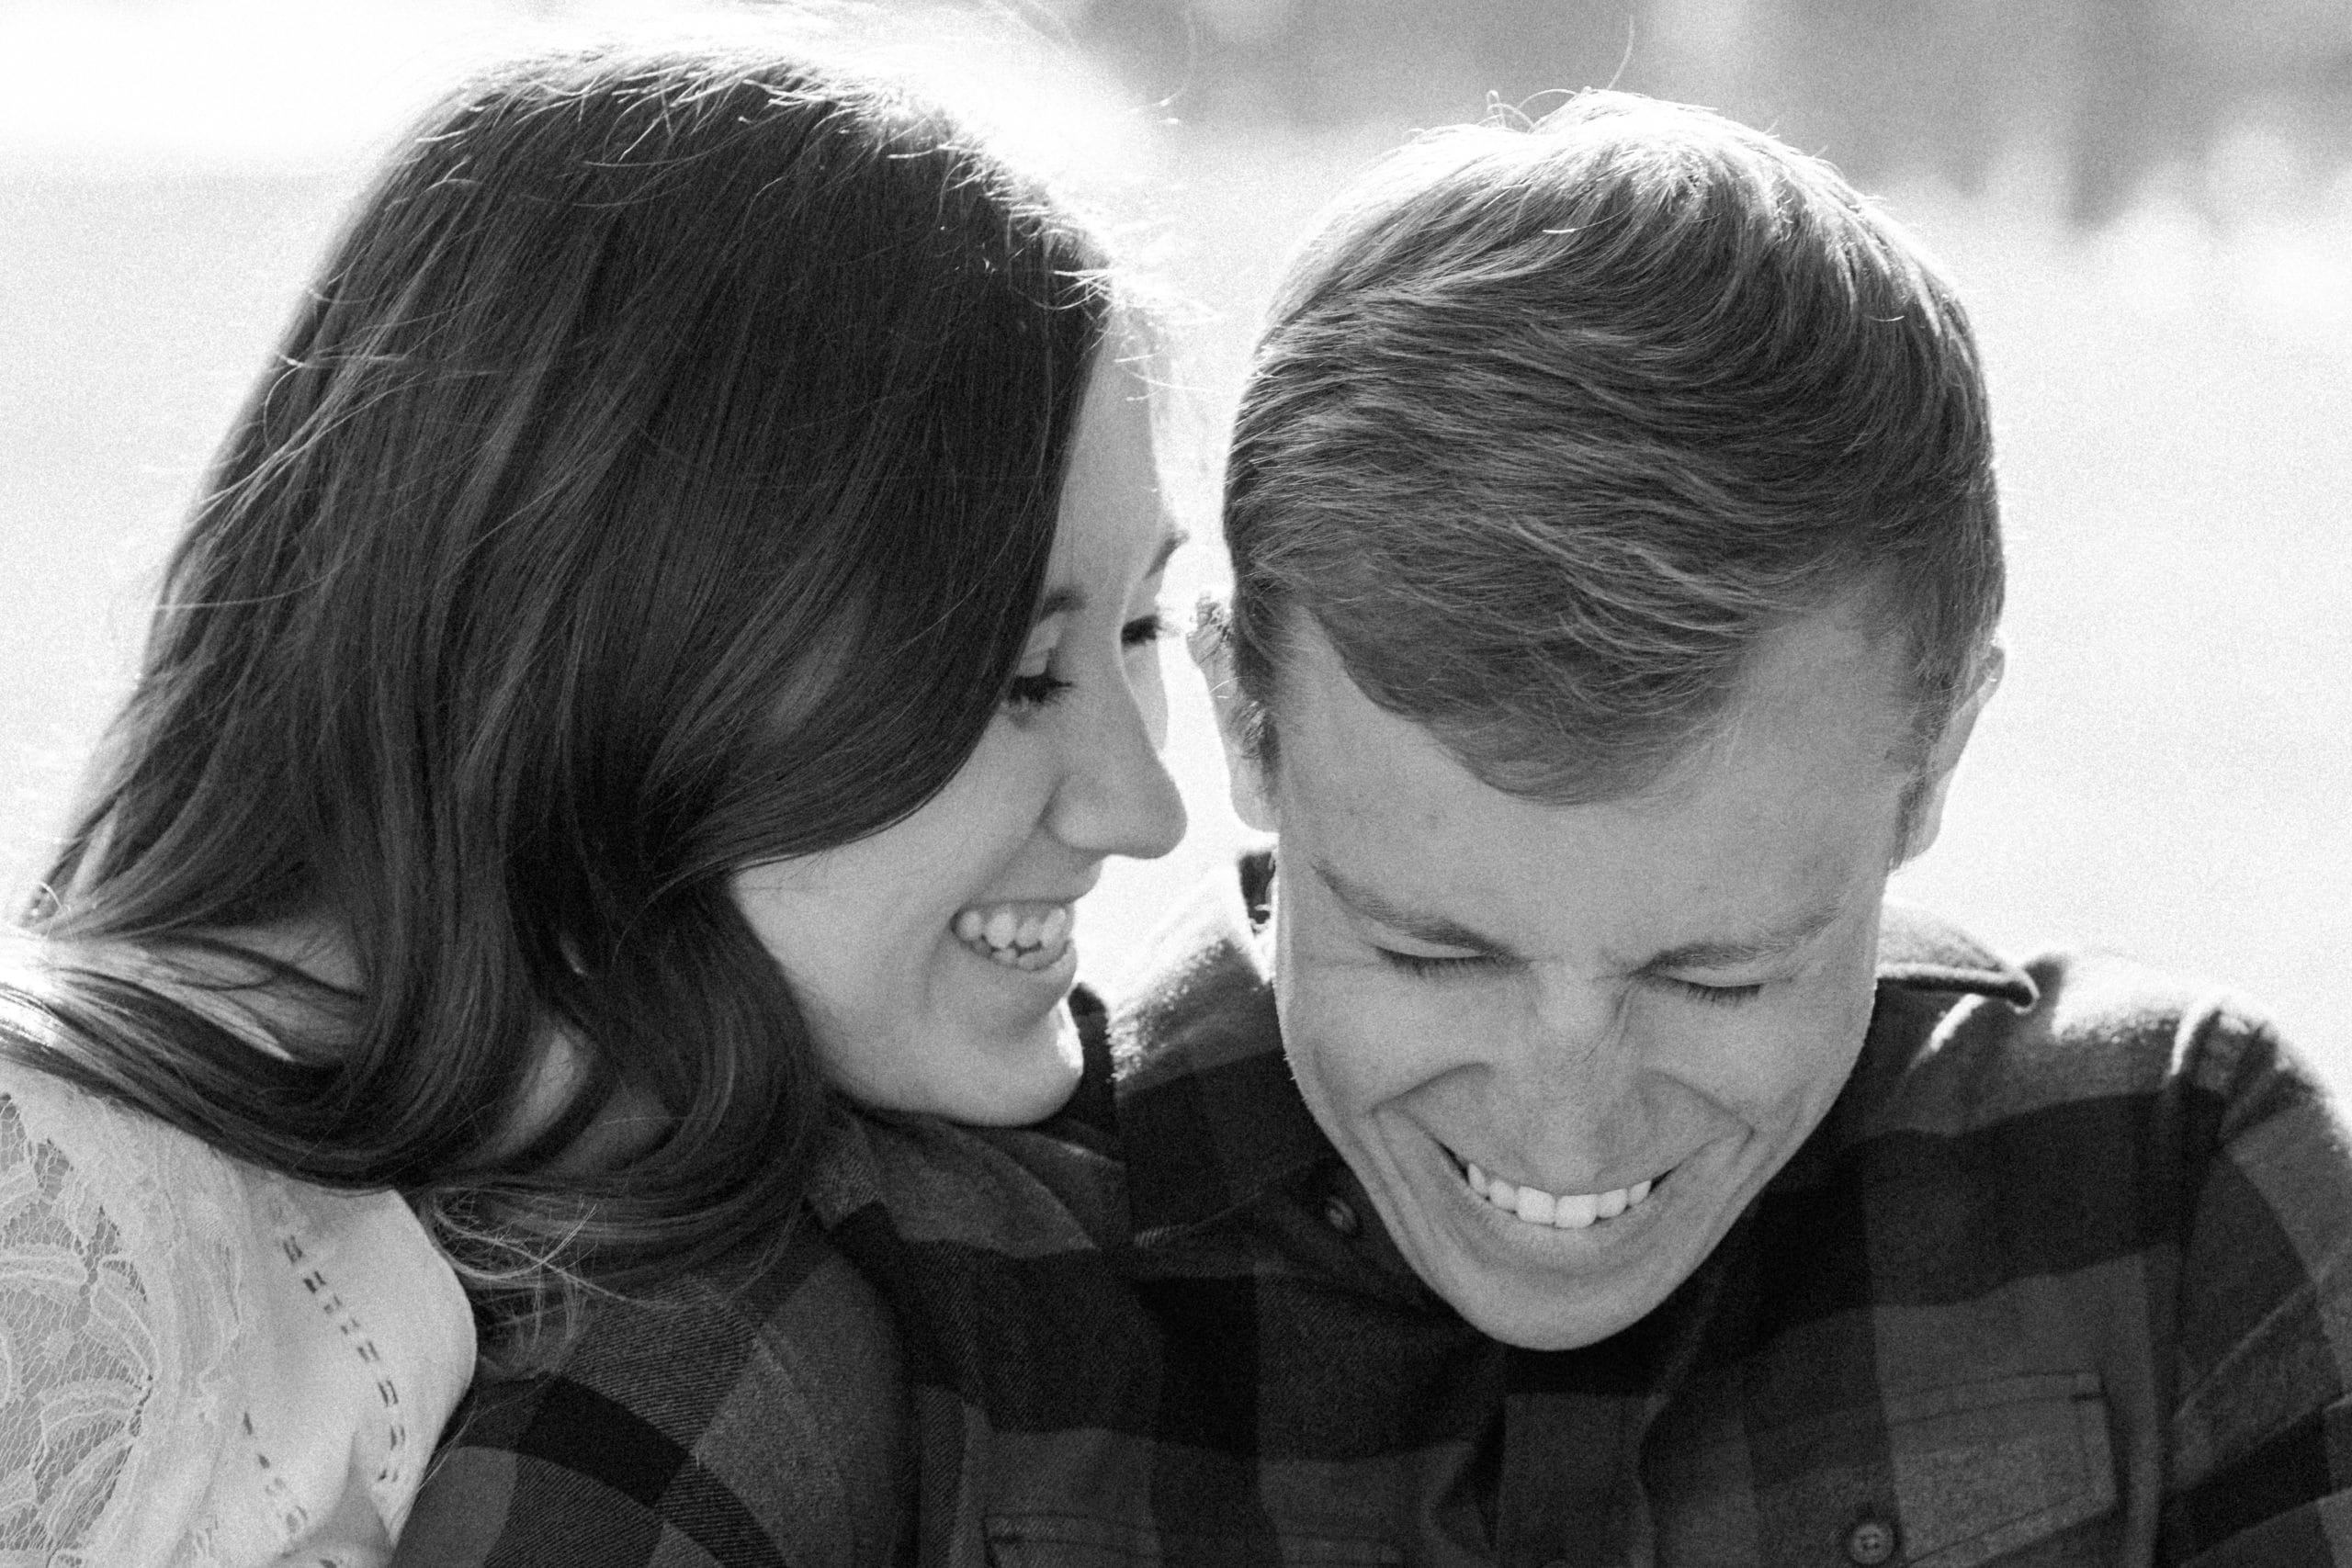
{"x":724,"y":1421}
{"x":2261,"y":1439}
{"x":119,"y":1324}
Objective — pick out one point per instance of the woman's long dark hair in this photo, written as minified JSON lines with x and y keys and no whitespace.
{"x":658,"y":479}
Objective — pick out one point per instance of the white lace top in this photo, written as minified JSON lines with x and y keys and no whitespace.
{"x":201,"y":1363}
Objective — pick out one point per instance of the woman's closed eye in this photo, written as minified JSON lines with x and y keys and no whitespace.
{"x":1144,"y":630}
{"x":1027,"y":693}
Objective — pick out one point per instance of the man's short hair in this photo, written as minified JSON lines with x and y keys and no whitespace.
{"x":1553,"y":422}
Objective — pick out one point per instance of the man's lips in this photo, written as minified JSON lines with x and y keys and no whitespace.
{"x":1558,"y":1210}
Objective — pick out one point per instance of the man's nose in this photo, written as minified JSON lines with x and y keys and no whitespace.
{"x":1574,"y":1070}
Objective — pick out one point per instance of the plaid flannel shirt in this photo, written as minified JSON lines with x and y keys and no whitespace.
{"x":2065,"y":1277}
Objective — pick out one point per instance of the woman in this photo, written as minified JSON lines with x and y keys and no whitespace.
{"x":665,"y":645}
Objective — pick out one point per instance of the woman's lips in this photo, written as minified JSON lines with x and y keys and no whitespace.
{"x":1021,"y":933}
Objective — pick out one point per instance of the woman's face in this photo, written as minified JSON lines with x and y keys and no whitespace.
{"x":931,"y":958}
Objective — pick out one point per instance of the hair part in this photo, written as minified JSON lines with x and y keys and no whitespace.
{"x":658,"y":479}
{"x":1550,"y":423}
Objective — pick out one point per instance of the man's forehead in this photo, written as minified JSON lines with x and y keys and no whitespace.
{"x":1757,"y":834}
{"x":1828,"y":688}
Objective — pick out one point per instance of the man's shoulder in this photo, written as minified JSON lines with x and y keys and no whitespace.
{"x":2069,"y":1029}
{"x":2107,"y":1207}
{"x":1209,"y":1115}
{"x":1207,"y":1000}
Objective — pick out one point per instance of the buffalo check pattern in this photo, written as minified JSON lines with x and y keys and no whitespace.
{"x":2066,"y":1278}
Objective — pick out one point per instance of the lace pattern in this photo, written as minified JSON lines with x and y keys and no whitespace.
{"x":113,"y":1370}
{"x":203,"y":1364}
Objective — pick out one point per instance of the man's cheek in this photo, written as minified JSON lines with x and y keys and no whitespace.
{"x":1371,"y":1047}
{"x":1788,"y":1073}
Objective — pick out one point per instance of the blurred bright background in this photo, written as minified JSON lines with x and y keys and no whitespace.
{"x":2148,"y":202}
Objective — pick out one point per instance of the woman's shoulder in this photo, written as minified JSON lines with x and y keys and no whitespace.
{"x":81,"y":1170}
{"x":119,"y":1286}
{"x":50,"y":1118}
{"x":194,"y":1352}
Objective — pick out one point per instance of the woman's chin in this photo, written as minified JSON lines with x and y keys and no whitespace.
{"x":991,"y":1067}
{"x":1019,"y":1078}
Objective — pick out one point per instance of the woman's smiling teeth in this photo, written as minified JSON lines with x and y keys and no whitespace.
{"x":1024,"y":935}
{"x":1571,"y":1211}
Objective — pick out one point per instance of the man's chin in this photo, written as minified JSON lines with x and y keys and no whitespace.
{"x":1540,"y":1288}
{"x":1520,"y":1315}
{"x":1550,"y":1308}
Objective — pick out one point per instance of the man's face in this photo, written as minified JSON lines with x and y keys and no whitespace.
{"x":1562,"y":1047}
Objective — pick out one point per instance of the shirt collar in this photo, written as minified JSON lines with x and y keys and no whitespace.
{"x":1921,"y":952}
{"x":1209,"y":1116}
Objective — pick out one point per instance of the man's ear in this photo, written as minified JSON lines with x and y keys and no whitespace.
{"x":1926,"y":815}
{"x":1210,"y":642}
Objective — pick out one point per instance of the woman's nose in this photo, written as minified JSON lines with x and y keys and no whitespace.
{"x":1118,"y":797}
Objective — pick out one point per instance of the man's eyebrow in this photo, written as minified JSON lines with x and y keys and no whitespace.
{"x":1778,"y":942}
{"x":1442,"y":931}
{"x":1437,"y":930}
{"x":1070,"y":598}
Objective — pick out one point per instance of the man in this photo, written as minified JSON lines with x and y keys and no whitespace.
{"x":1581,"y":1166}
{"x":1554,"y":1153}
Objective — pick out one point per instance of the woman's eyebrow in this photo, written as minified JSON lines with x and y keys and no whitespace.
{"x":1070,"y":597}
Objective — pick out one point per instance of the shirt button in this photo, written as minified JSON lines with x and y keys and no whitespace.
{"x":1340,"y":1216}
{"x":1871,"y":1542}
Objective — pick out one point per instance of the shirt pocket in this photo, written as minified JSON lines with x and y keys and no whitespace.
{"x":1077,"y":1540}
{"x":1976,"y":1472}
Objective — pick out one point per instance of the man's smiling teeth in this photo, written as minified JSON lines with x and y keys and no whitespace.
{"x":1571,"y":1212}
{"x":1025,"y":935}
